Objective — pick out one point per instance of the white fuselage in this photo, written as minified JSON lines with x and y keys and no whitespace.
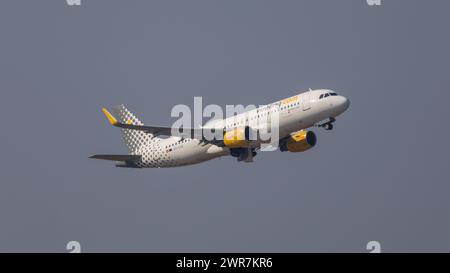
{"x":295,"y":113}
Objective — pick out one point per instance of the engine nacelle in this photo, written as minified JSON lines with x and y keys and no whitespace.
{"x":237,"y":138}
{"x":299,"y":142}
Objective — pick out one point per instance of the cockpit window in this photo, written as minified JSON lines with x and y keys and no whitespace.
{"x":327,"y":95}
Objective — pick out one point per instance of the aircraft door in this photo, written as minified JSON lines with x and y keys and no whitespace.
{"x":306,"y":104}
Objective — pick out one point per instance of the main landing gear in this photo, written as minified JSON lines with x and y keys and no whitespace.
{"x":243,"y":154}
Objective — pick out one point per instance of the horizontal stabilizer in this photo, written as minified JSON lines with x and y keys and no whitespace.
{"x":128,"y":158}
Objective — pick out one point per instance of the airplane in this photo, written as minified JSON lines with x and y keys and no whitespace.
{"x":159,"y":147}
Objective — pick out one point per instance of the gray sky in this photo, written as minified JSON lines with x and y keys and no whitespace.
{"x":380,"y":175}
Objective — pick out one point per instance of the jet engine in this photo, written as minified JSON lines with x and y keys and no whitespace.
{"x":299,"y":142}
{"x":237,"y":138}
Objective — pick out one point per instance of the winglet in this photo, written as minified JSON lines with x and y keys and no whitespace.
{"x":110,"y":117}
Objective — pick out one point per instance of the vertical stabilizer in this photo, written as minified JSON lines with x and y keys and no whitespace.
{"x":134,"y":139}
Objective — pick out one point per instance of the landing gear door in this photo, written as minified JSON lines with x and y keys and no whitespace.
{"x":306,"y":104}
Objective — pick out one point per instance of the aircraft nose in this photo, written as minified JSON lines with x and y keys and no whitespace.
{"x":343,"y":103}
{"x":346,"y":103}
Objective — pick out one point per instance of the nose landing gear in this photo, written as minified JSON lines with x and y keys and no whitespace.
{"x":327,"y":124}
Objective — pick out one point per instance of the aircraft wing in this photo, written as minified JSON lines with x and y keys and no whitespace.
{"x":156,"y":130}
